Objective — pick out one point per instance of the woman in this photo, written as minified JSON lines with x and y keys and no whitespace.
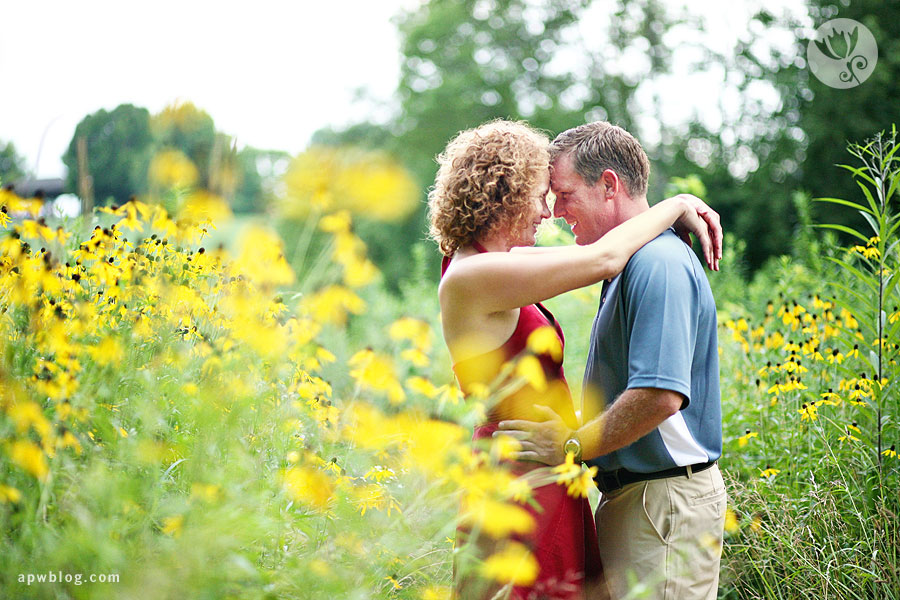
{"x":489,"y":197}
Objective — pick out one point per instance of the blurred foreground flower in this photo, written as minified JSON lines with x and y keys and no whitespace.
{"x":369,"y":184}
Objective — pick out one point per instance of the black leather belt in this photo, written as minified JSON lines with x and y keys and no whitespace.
{"x":613,"y":480}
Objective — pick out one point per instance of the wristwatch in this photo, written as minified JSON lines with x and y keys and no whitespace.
{"x":573,"y":446}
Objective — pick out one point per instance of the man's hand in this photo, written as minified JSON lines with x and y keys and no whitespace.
{"x":541,"y":442}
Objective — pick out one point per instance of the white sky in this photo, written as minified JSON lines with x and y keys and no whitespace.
{"x":269,"y":72}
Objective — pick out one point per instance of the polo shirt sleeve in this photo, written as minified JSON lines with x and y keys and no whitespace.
{"x":661,"y":304}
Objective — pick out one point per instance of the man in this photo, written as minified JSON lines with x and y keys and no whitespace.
{"x":653,"y":362}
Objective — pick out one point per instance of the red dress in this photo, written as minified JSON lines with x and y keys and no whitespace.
{"x":564,"y":541}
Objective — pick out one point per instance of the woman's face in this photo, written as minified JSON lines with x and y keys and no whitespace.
{"x":537,"y":212}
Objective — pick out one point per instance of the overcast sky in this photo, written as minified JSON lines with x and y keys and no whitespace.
{"x":269,"y":72}
{"x":272,"y":72}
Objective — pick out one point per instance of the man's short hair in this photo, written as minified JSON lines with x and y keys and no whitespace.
{"x":598,"y":146}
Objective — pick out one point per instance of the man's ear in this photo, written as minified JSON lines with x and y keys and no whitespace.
{"x":611,"y":183}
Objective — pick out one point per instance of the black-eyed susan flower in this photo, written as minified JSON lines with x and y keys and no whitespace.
{"x":745,"y":439}
{"x":829,"y":398}
{"x":809,"y":411}
{"x":848,"y":433}
{"x":769,"y":472}
{"x":834,"y":356}
{"x":890,"y":452}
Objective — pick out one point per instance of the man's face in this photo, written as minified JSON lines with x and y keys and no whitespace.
{"x":585,"y":208}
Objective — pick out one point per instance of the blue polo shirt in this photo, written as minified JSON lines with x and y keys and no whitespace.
{"x":656,"y":328}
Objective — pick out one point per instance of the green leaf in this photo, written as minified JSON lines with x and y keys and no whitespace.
{"x":876,"y":228}
{"x":889,"y":155}
{"x":859,"y":207}
{"x":892,"y":330}
{"x":895,"y":180}
{"x":865,"y":278}
{"x":862,"y":299}
{"x":844,"y":229}
{"x":890,"y":248}
{"x":868,"y":195}
{"x":893,"y":229}
{"x":858,"y":172}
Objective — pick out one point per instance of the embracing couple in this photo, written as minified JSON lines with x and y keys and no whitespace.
{"x":652,"y":370}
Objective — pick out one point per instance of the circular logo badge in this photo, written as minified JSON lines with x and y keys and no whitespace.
{"x":843,"y":54}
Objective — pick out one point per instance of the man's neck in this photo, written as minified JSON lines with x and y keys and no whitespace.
{"x":629,"y":207}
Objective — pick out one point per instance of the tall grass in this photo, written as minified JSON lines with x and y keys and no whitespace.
{"x":812,"y":412}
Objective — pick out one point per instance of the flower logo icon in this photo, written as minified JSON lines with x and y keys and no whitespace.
{"x":843,"y":53}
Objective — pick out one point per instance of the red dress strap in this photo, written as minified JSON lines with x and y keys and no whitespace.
{"x":445,"y":261}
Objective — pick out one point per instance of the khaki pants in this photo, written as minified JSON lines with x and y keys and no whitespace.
{"x":662,"y":539}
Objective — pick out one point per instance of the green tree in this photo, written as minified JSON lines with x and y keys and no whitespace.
{"x":468,"y":61}
{"x":257,"y":172}
{"x":118,"y":152}
{"x":796,"y":146}
{"x":12,"y":166}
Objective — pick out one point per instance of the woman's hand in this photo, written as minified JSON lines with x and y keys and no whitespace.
{"x":703,"y":222}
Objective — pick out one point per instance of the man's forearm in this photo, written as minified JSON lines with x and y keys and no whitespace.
{"x":633,"y":415}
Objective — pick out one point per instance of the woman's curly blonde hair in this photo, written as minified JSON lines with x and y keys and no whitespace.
{"x":484,"y":183}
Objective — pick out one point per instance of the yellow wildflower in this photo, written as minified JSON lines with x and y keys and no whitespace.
{"x":514,"y":564}
{"x":436,"y":592}
{"x":9,"y":494}
{"x":416,"y":331}
{"x":544,"y":340}
{"x":829,"y":398}
{"x":809,"y":412}
{"x":497,"y":519}
{"x":530,"y":369}
{"x":29,"y":457}
{"x":308,"y":486}
{"x":745,"y":439}
{"x":338,"y":222}
{"x":172,"y":168}
{"x":415,"y":356}
{"x":332,"y":305}
{"x":731,"y":522}
{"x":173,"y":525}
{"x":422,"y":386}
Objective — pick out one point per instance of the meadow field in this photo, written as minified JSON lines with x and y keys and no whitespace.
{"x":195,"y":405}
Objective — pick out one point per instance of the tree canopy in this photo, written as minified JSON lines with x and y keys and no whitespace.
{"x":12,"y":165}
{"x":119,"y":145}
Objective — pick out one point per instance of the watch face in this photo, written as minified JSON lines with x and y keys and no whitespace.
{"x":572,"y":446}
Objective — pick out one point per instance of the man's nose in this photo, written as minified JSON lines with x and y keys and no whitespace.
{"x":558,"y":209}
